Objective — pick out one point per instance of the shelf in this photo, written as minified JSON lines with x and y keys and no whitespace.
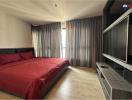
{"x":118,"y":20}
{"x":104,"y":88}
{"x":120,"y":62}
{"x":113,"y":78}
{"x":114,"y":86}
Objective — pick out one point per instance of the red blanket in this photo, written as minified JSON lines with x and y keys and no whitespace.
{"x":27,"y":78}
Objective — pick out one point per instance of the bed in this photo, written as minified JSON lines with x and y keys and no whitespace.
{"x":31,"y":78}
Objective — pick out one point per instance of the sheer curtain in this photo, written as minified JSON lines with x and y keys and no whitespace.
{"x":84,"y":41}
{"x":47,"y":40}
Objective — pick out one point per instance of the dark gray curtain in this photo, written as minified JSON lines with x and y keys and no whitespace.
{"x":47,"y":40}
{"x":84,"y":41}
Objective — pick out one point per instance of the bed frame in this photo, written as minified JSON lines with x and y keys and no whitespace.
{"x":52,"y":83}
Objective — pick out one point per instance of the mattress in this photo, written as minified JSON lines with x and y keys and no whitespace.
{"x":27,"y":78}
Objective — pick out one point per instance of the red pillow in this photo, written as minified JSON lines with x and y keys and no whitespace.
{"x":8,"y":58}
{"x":26,"y":55}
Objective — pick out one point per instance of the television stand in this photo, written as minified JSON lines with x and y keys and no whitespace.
{"x":113,"y":85}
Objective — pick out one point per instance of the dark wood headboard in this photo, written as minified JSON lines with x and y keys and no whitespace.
{"x":15,"y":50}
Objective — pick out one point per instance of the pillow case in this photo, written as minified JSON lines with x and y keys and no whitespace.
{"x":8,"y":58}
{"x":26,"y":55}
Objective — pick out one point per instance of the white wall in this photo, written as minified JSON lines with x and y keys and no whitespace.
{"x":14,"y":33}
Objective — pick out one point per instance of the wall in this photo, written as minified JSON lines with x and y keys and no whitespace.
{"x":14,"y":33}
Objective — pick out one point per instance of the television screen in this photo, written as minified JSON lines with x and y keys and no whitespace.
{"x":115,"y":40}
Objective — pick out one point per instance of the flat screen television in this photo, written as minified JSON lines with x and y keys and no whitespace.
{"x":115,"y":40}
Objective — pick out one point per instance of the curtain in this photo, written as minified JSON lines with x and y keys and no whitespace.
{"x":84,"y":41}
{"x":47,"y":40}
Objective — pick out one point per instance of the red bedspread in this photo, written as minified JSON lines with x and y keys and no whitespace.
{"x":27,"y":78}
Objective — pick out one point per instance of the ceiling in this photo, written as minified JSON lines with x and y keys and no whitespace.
{"x":46,"y":11}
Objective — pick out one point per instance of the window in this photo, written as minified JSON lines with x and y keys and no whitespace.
{"x":63,"y":34}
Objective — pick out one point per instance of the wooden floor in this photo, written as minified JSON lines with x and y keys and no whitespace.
{"x":77,"y":83}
